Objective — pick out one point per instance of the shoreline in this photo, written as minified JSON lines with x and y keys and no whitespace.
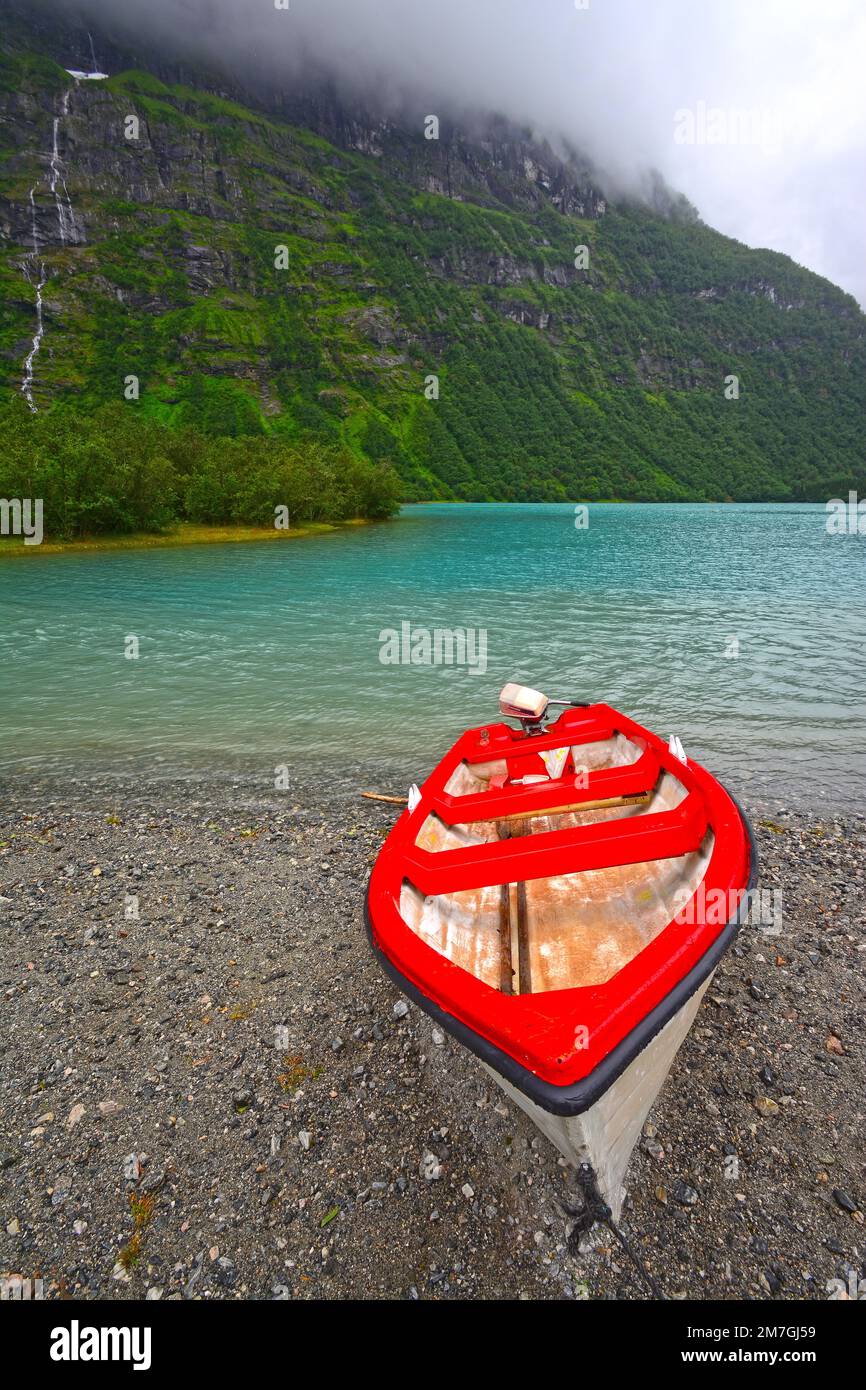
{"x":192,"y":773}
{"x":189,"y":533}
{"x":186,"y":534}
{"x":231,"y":1051}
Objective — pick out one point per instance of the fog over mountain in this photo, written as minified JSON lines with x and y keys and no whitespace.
{"x":754,"y":111}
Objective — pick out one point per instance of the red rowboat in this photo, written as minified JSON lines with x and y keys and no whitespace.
{"x":557,"y":897}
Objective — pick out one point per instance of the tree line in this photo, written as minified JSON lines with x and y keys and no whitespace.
{"x":112,"y":471}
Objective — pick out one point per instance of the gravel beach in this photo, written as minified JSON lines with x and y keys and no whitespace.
{"x":210,"y":1090}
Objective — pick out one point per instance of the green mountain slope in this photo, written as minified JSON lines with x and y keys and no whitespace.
{"x":258,"y":278}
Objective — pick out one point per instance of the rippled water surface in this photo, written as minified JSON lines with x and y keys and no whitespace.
{"x":256,"y":655}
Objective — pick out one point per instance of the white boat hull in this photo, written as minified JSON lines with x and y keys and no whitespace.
{"x":606,"y":1133}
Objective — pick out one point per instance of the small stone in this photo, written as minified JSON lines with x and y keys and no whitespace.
{"x":468,"y":1191}
{"x":154,"y":1181}
{"x":685,"y":1195}
{"x":13,"y":1227}
{"x":438,"y":1037}
{"x":653,"y":1148}
{"x":305,"y":1139}
{"x":400,"y":1009}
{"x":109,"y":1107}
{"x":430,"y":1167}
{"x":765,"y":1106}
{"x":79,"y":1227}
{"x":76,"y":1113}
{"x":154,"y":1294}
{"x":844,"y":1201}
{"x":120,"y":1274}
{"x":132,"y":1168}
{"x":834,"y":1045}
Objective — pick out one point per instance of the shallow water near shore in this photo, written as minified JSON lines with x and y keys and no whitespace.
{"x":739,"y":627}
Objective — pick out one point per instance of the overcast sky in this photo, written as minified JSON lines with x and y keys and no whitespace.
{"x":754,"y":109}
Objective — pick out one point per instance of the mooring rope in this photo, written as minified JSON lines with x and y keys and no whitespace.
{"x":595,"y":1209}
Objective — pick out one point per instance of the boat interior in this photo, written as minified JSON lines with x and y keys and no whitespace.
{"x":564,"y":930}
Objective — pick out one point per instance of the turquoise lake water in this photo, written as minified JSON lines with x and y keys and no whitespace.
{"x":741,"y":628}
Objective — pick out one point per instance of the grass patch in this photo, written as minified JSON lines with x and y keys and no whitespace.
{"x":295,"y":1073}
{"x":185,"y":534}
{"x":142,"y":1207}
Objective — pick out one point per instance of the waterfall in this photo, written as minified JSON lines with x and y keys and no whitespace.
{"x":95,"y":67}
{"x":57,"y":183}
{"x":27,"y":378}
{"x":68,"y":230}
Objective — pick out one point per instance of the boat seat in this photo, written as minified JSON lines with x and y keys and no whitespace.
{"x":640,"y":839}
{"x":549,"y":795}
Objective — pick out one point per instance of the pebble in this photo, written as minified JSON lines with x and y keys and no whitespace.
{"x":843,"y":1200}
{"x":199,"y":1034}
{"x":765,"y":1105}
{"x":653,"y":1148}
{"x":430,"y":1167}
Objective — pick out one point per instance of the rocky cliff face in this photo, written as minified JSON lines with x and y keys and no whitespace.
{"x":471,"y":306}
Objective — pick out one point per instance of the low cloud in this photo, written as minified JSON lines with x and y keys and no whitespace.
{"x":774,"y":90}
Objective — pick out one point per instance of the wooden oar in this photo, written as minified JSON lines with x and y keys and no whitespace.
{"x":637,"y":799}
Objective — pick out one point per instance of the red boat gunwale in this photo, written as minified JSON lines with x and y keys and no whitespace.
{"x":532,"y":1037}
